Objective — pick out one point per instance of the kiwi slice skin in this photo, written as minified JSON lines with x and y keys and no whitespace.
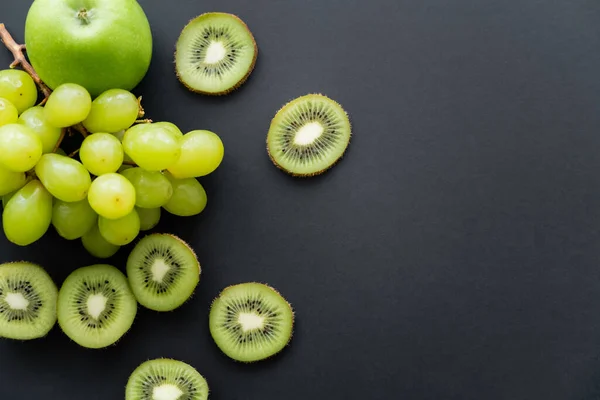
{"x":325,"y":149}
{"x":163,"y":271}
{"x":166,"y":378}
{"x":96,"y":306}
{"x":180,"y":55}
{"x":268,"y":320}
{"x":27,"y":301}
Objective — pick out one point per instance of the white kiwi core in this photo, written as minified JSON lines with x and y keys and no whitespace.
{"x":308,"y":133}
{"x":215,"y":53}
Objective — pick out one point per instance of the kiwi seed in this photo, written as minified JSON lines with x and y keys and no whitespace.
{"x":215,"y":54}
{"x":251,"y":321}
{"x":96,"y":306}
{"x":166,"y":379}
{"x":27,"y":301}
{"x":308,"y":135}
{"x":163,"y":272}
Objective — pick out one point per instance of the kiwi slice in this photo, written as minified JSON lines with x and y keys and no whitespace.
{"x":215,"y":53}
{"x":166,"y":379}
{"x":163,"y":271}
{"x":251,"y":322}
{"x":308,"y":135}
{"x":96,"y":306}
{"x":27,"y":301}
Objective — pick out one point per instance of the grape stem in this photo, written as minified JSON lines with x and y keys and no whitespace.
{"x":81,"y":129}
{"x":20,"y":60}
{"x":63,"y":132}
{"x":73,"y":153}
{"x":143,"y":121}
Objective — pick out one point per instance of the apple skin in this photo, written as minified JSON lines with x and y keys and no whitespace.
{"x":98,"y":44}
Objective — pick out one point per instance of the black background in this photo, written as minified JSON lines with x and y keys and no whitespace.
{"x":453,"y":254}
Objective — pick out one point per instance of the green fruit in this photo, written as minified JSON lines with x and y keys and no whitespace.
{"x":99,"y":45}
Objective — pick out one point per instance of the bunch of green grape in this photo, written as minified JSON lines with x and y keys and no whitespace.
{"x":123,"y":176}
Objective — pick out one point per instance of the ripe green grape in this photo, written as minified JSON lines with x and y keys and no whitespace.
{"x":201,"y":154}
{"x":152,"y":147}
{"x":96,"y":245}
{"x":27,"y":215}
{"x":73,"y":220}
{"x":19,"y":88}
{"x":11,"y":180}
{"x":112,"y":111}
{"x":189,"y":197}
{"x":171,"y":127}
{"x":34,"y":119}
{"x":152,"y":189}
{"x":101,"y":153}
{"x":149,"y":217}
{"x":7,"y":197}
{"x":122,"y":231}
{"x":120,"y":135}
{"x":20,"y":147}
{"x":112,"y":196}
{"x":65,"y":178}
{"x":8,"y":112}
{"x":68,"y":105}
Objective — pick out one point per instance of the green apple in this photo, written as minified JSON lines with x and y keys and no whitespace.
{"x":98,"y":44}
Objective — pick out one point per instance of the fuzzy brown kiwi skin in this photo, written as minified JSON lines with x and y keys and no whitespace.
{"x":241,"y":81}
{"x":286,"y":302}
{"x":320,"y":172}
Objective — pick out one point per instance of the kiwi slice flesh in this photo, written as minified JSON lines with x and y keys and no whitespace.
{"x":251,"y":322}
{"x":308,"y":135}
{"x":215,"y":53}
{"x":27,"y":301}
{"x":166,"y":379}
{"x":96,"y":306}
{"x":163,"y":271}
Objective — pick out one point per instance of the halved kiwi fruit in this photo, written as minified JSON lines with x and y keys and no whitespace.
{"x":96,"y":306}
{"x":166,"y":379}
{"x":251,"y":322}
{"x":215,"y":53}
{"x":163,"y":272}
{"x":27,"y":301}
{"x":308,"y":135}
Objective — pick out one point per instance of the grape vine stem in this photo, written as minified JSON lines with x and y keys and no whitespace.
{"x":20,"y":60}
{"x":63,"y":132}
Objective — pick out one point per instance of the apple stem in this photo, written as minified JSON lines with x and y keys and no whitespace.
{"x":20,"y":60}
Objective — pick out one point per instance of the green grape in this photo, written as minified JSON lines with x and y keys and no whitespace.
{"x":20,"y":147}
{"x":7,"y":197}
{"x":152,"y":189}
{"x":11,"y":181}
{"x":73,"y":220}
{"x":152,"y":147}
{"x":19,"y":88}
{"x":112,"y":196}
{"x":96,"y":245}
{"x":189,"y":197}
{"x":27,"y":215}
{"x":61,"y":152}
{"x":120,"y":135}
{"x":149,"y":217}
{"x":101,"y":153}
{"x":169,"y":126}
{"x":35,"y":120}
{"x":8,"y":112}
{"x":65,"y":178}
{"x":201,"y":154}
{"x":68,"y":105}
{"x":122,"y":231}
{"x":112,"y":111}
